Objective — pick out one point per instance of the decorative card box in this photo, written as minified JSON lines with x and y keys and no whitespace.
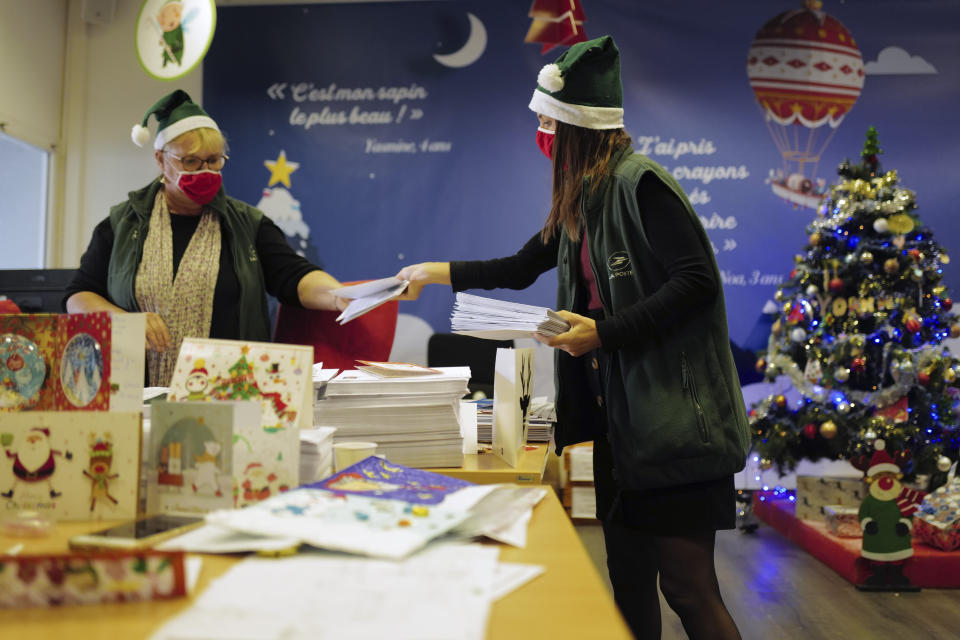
{"x":278,"y":376}
{"x":205,"y":456}
{"x":90,"y":578}
{"x":70,"y":466}
{"x":72,"y":362}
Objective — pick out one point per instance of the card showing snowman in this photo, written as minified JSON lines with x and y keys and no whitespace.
{"x":70,"y":466}
{"x":201,"y":456}
{"x":278,"y":377}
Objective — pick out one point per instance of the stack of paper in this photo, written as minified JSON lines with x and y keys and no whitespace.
{"x":316,"y":454}
{"x":501,"y":320}
{"x":415,"y":421}
{"x":539,"y":422}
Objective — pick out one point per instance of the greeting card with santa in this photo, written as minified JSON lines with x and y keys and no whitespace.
{"x":70,"y":469}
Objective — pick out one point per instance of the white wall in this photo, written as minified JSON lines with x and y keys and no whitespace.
{"x":106,"y":93}
{"x":31,"y":69}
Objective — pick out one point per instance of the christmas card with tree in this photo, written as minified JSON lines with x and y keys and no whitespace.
{"x":512,"y":385}
{"x":70,"y":362}
{"x":278,"y":376}
{"x":70,"y":466}
{"x":198,"y":453}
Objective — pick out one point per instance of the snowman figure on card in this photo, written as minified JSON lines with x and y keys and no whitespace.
{"x":512,"y":392}
{"x":265,"y":452}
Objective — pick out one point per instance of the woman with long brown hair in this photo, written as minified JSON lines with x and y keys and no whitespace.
{"x":645,"y":370}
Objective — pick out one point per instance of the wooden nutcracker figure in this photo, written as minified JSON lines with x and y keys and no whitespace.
{"x":886,"y":530}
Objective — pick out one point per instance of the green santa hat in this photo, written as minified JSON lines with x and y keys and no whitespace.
{"x":176,"y":114}
{"x":582,"y":87}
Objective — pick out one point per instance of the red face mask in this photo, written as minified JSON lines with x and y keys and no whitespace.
{"x":200,"y":186}
{"x":545,"y":141}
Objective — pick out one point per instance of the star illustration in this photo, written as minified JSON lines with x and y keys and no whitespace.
{"x":280,"y":169}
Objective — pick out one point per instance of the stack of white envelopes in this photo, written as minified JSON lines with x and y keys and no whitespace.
{"x":415,"y":420}
{"x":501,"y":320}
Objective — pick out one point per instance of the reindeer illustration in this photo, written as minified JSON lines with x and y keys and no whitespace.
{"x":525,"y":383}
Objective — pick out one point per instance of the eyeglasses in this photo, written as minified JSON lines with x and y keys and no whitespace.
{"x":193,"y":163}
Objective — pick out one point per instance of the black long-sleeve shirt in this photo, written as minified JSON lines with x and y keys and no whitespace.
{"x":690,"y":282}
{"x":282,"y":269}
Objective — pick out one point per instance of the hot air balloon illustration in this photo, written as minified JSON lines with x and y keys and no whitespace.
{"x":806,"y":72}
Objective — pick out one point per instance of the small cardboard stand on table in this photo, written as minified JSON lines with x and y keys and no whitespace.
{"x":512,"y":386}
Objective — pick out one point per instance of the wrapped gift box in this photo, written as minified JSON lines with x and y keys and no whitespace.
{"x":816,"y":492}
{"x":843,"y":520}
{"x":937,"y":521}
{"x":944,"y":537}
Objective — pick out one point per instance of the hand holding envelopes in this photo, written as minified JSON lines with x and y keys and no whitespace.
{"x":367,"y":296}
{"x":501,"y":320}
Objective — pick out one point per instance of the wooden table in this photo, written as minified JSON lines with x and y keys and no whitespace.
{"x":567,"y":601}
{"x":486,"y":468}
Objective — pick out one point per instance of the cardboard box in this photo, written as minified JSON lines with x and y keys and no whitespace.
{"x":816,"y":492}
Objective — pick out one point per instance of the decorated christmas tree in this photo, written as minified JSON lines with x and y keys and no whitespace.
{"x":240,"y":384}
{"x":860,"y":329}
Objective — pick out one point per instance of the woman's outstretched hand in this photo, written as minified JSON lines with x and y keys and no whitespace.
{"x":424,"y":273}
{"x":581,"y":338}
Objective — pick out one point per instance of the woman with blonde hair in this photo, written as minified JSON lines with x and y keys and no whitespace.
{"x":198,"y":262}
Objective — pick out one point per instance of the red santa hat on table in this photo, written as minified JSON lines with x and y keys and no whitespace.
{"x":881,"y":462}
{"x":43,"y":430}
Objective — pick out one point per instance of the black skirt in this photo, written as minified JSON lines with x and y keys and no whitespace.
{"x":664,"y":511}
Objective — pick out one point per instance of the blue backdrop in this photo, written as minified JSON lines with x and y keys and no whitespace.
{"x":372,"y":154}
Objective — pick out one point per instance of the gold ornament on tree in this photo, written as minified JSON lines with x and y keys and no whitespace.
{"x":828,"y":430}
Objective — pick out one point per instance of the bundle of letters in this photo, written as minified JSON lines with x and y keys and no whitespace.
{"x":539,"y":425}
{"x":316,"y":454}
{"x":501,"y":320}
{"x":415,"y":421}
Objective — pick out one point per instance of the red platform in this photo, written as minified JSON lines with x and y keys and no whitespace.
{"x":928,"y":568}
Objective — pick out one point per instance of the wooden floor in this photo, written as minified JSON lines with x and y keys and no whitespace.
{"x":775,"y":590}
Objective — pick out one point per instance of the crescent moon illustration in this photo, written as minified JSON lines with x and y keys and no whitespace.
{"x":471,"y":51}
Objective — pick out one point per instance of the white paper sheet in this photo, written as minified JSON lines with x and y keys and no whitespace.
{"x":442,"y":593}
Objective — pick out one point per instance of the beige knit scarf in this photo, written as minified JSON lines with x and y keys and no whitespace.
{"x":186,"y":302}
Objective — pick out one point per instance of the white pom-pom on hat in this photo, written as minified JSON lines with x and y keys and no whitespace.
{"x":140,"y":135}
{"x":879,"y":444}
{"x":550,"y":78}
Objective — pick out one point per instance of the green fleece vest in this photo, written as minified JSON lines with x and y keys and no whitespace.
{"x":675,"y":412}
{"x":239,"y":222}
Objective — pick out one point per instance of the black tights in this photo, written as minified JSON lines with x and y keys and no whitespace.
{"x":688,"y":581}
